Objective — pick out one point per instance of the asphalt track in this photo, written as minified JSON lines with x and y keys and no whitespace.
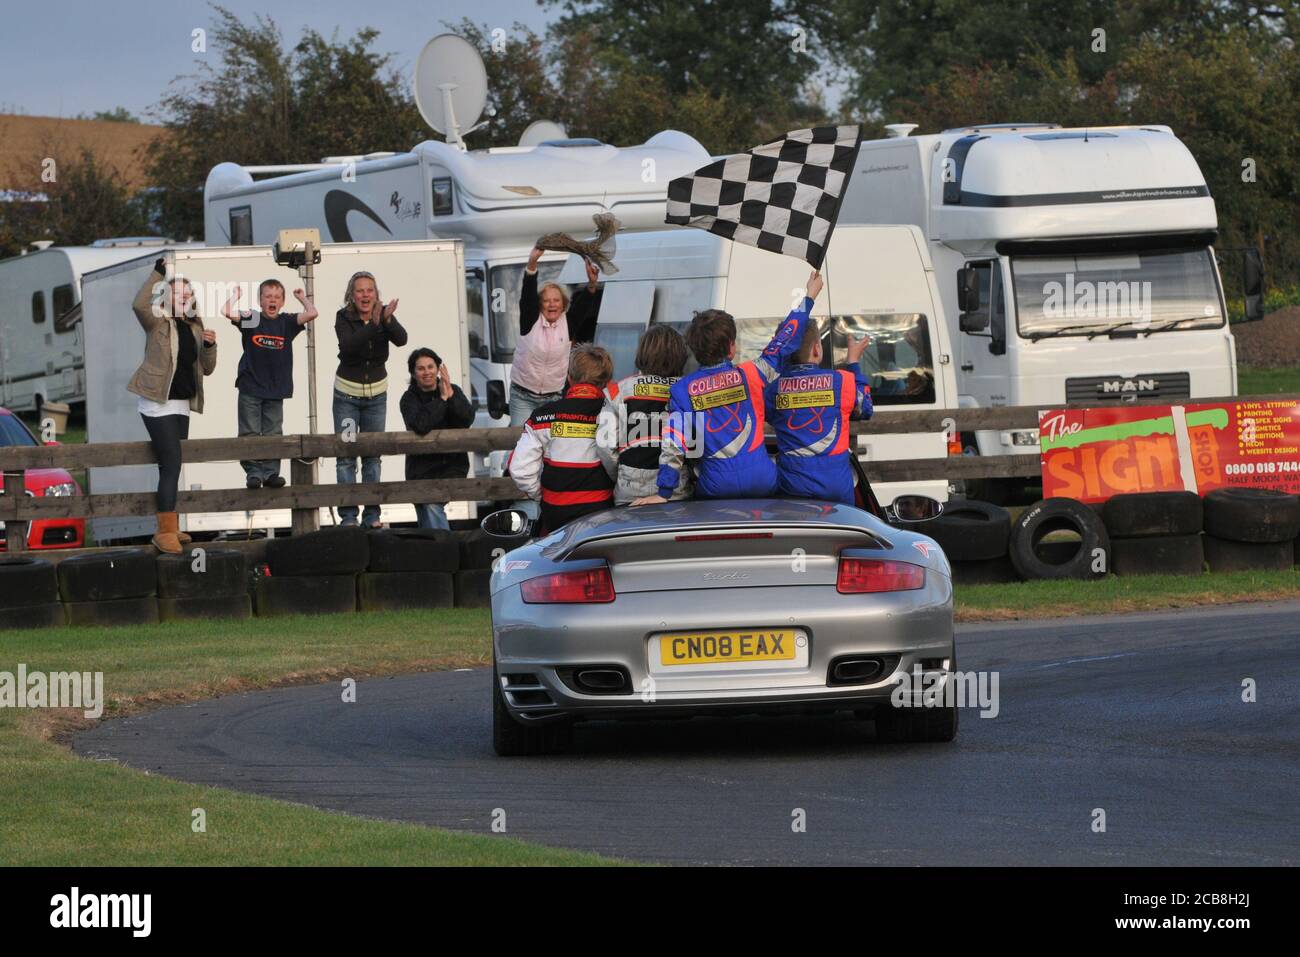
{"x":1140,"y":716}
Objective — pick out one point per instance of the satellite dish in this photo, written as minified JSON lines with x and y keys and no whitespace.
{"x":450,"y":86}
{"x":539,"y":131}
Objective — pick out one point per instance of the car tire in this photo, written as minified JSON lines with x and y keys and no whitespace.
{"x":1259,"y":515}
{"x":225,"y":573}
{"x":473,"y":588}
{"x":971,"y":531}
{"x":392,"y":591}
{"x":1157,"y":555}
{"x":25,"y":582}
{"x":989,"y":572}
{"x":328,"y":552}
{"x":413,"y":550}
{"x":199,"y":608}
{"x":49,"y":615}
{"x":1150,"y":514}
{"x":275,"y":595}
{"x":1034,"y":559}
{"x":916,"y":725}
{"x":1226,"y":555}
{"x":108,"y":576}
{"x":510,"y":739}
{"x":113,"y":611}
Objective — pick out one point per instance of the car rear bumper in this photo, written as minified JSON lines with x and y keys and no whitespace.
{"x":48,"y":533}
{"x":540,"y":648}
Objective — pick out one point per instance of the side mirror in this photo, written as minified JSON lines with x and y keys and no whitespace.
{"x":973,"y":321}
{"x":507,"y":523}
{"x":968,"y":289}
{"x":497,"y":404}
{"x":1253,"y":283}
{"x":913,"y":508}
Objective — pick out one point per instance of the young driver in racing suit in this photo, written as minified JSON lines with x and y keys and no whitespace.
{"x":722,"y":406}
{"x":810,"y":408}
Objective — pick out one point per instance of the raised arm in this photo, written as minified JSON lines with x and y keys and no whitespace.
{"x":584,"y":308}
{"x":530,"y":306}
{"x":143,"y":304}
{"x":308,"y":307}
{"x":772,"y":361}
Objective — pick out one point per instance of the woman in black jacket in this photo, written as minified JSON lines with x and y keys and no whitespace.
{"x":364,"y":327}
{"x":433,"y":402}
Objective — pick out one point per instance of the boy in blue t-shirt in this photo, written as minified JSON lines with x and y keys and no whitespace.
{"x":265,"y":376}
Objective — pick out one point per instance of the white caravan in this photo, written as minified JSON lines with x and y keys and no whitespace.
{"x":498,"y":201}
{"x":1086,"y":256}
{"x":426,"y":276}
{"x":41,"y":347}
{"x":879,"y":282}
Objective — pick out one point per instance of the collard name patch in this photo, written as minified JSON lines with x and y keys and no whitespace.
{"x":720,"y":388}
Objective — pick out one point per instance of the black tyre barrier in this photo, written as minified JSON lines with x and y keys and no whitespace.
{"x":987,"y":572}
{"x":107,"y":576}
{"x":970,"y":531}
{"x":215,"y":606}
{"x":33,"y":616}
{"x":390,"y":591}
{"x":472,"y":588}
{"x":1035,"y":559}
{"x":1145,"y":514}
{"x":1158,"y":555}
{"x":1225,"y":555}
{"x":305,"y":594}
{"x":330,"y":551}
{"x":27,"y":581}
{"x":478,"y":549}
{"x":413,"y":550}
{"x":224,"y":573}
{"x":1252,"y":515}
{"x":113,"y":611}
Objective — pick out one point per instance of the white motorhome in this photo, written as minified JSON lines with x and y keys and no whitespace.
{"x":498,"y":201}
{"x":1086,"y":255}
{"x":41,"y":347}
{"x":879,"y":282}
{"x":426,"y":276}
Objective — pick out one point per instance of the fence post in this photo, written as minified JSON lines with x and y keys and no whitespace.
{"x":302,"y":474}
{"x":15,"y":530}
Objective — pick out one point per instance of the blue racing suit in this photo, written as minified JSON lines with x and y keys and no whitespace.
{"x":810,"y":409}
{"x":717,"y":414}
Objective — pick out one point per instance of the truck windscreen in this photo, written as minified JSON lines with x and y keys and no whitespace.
{"x":1096,"y":293}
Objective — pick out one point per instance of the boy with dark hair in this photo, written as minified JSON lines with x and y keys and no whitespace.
{"x":556,"y":461}
{"x":265,"y":377}
{"x":722,"y":405}
{"x":810,"y":408}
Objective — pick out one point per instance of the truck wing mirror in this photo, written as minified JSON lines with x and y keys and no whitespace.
{"x":1253,"y":283}
{"x":968,"y":289}
{"x":973,"y":321}
{"x":496,"y":399}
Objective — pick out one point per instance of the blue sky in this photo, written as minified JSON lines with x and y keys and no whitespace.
{"x":66,"y":57}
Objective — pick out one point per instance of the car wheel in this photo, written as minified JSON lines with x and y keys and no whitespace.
{"x":916,"y":725}
{"x":510,"y":739}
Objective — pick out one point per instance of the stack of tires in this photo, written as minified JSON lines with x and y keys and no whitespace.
{"x":203,"y":582}
{"x":1034,"y":558}
{"x":312,"y":574}
{"x":478,"y":552}
{"x":117,"y":587}
{"x":1155,"y":533}
{"x":409,"y":568}
{"x":1250,"y":529}
{"x":974,"y":536}
{"x":29,"y":594}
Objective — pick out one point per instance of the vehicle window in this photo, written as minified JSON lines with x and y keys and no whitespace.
{"x":64,"y":302}
{"x":506,"y":281}
{"x":478,"y":341}
{"x":38,"y":307}
{"x":620,"y":341}
{"x":241,"y":226}
{"x":898,"y":360}
{"x":13,"y":432}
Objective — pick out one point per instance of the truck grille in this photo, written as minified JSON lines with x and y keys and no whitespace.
{"x":1143,"y":388}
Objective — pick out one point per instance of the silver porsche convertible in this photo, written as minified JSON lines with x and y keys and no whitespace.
{"x":721,"y":607}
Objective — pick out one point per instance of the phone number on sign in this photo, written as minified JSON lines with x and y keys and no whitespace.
{"x":1260,"y":468}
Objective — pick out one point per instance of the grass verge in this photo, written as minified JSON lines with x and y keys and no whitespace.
{"x":1262,"y":381}
{"x":60,"y":809}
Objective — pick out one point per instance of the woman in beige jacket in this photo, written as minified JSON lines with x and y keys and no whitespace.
{"x":178,"y":353}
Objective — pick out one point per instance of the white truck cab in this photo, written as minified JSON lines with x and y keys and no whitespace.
{"x":1075,"y":265}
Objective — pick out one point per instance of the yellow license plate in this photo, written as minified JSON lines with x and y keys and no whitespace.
{"x":708,"y":647}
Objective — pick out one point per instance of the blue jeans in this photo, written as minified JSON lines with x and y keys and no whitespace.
{"x":432,"y":516}
{"x":361,"y":415}
{"x":523,"y":405}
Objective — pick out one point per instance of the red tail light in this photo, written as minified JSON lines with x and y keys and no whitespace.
{"x":954,"y":445}
{"x":590,"y":585}
{"x":859,"y":575}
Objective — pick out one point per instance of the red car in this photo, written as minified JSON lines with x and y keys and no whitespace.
{"x":46,"y":532}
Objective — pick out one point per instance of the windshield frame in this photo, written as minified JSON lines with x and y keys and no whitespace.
{"x":1097,"y":327}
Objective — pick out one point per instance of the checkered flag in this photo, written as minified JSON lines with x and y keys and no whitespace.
{"x":783,"y":197}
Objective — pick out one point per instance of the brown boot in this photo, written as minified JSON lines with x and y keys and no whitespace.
{"x":183,"y":538}
{"x":165,"y":539}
